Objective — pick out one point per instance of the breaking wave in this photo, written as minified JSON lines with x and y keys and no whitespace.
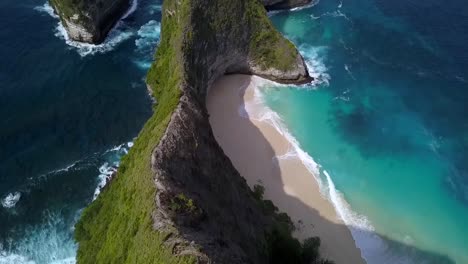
{"x":146,"y":43}
{"x":315,"y":60}
{"x":373,"y":248}
{"x":10,"y":200}
{"x":49,"y":242}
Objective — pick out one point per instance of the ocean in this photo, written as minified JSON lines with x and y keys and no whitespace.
{"x":385,"y":120}
{"x":69,"y":113}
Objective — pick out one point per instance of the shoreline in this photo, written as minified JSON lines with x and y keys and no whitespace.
{"x":262,"y":153}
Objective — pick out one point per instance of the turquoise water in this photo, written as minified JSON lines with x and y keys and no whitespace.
{"x":386,"y":121}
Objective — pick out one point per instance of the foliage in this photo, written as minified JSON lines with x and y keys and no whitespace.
{"x":182,"y":204}
{"x":282,"y":247}
{"x":267,"y":47}
{"x":258,"y":191}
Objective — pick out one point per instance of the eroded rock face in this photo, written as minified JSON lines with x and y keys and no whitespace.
{"x":228,"y":226}
{"x":284,"y":4}
{"x":202,"y":207}
{"x":87,"y":20}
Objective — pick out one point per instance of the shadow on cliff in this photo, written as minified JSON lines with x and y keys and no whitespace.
{"x":379,"y":248}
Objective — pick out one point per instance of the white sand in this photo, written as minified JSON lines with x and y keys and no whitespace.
{"x":253,"y":147}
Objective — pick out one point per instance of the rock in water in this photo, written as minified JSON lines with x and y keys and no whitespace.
{"x":89,"y":20}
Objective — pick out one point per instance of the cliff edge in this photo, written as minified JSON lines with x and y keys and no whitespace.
{"x":89,"y":20}
{"x":176,"y":197}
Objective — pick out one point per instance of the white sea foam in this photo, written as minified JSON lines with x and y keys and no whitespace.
{"x":336,"y":13}
{"x":109,"y":167}
{"x":50,"y":242}
{"x":148,"y":35}
{"x":256,"y":109}
{"x":372,"y":247}
{"x":146,"y":43}
{"x":11,"y":258}
{"x":10,"y":200}
{"x":116,"y":35}
{"x":299,"y":8}
{"x":105,"y":173}
{"x":46,"y":8}
{"x":348,"y":70}
{"x":314,"y":58}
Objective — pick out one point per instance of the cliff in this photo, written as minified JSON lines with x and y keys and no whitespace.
{"x":176,"y":197}
{"x":89,"y":20}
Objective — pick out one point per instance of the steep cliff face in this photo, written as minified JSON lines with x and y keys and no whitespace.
{"x":283,"y":4}
{"x":89,"y":20}
{"x":177,"y":198}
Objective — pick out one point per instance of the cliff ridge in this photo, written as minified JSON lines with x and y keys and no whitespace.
{"x":177,"y":198}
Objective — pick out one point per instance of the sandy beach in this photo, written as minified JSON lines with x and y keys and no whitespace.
{"x":259,"y":152}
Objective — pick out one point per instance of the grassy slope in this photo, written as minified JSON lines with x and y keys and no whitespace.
{"x":267,"y":46}
{"x":117,"y":227}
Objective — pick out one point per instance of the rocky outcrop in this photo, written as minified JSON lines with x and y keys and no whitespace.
{"x":88,"y":20}
{"x":200,"y":207}
{"x":284,"y":4}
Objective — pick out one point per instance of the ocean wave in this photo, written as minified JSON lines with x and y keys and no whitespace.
{"x":146,"y":43}
{"x":49,"y":242}
{"x":109,"y":167}
{"x":117,"y":34}
{"x":335,"y":13}
{"x":257,"y":109}
{"x":373,"y":248}
{"x":47,"y":8}
{"x":10,"y":200}
{"x":299,"y":8}
{"x":315,"y":60}
{"x":106,"y":171}
{"x":348,"y":70}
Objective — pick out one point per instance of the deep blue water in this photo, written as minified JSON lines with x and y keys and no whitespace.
{"x":67,"y":116}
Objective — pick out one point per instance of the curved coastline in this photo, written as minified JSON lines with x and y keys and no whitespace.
{"x":261,"y":152}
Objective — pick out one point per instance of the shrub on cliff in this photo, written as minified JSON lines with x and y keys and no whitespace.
{"x":282,"y":247}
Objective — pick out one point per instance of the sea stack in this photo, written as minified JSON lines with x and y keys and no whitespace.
{"x":89,"y":21}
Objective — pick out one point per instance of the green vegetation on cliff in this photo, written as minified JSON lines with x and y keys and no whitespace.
{"x":282,"y":247}
{"x":117,"y":226}
{"x":267,"y":46}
